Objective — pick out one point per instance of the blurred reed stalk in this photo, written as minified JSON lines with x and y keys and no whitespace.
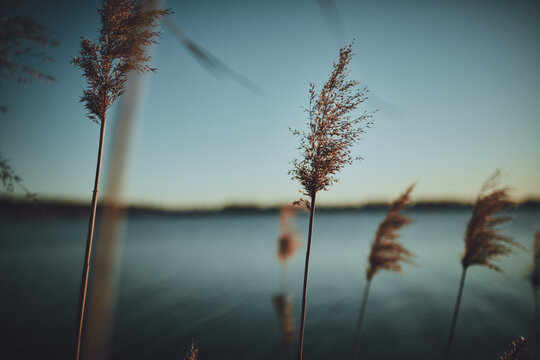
{"x":386,"y":253}
{"x":283,"y":305}
{"x":325,"y":146}
{"x":288,"y":243}
{"x":535,"y":282}
{"x":514,"y":349}
{"x":127,"y":28}
{"x":484,"y":241}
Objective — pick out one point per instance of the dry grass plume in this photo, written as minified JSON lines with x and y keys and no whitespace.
{"x":332,"y":131}
{"x":484,"y":240}
{"x":386,"y":253}
{"x":288,"y":243}
{"x":192,"y":353}
{"x":514,"y":349}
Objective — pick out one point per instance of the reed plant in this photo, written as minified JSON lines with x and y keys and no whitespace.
{"x":127,"y":28}
{"x":192,"y":353}
{"x":386,"y":253}
{"x":9,"y":178}
{"x":22,"y":38}
{"x":283,"y":305}
{"x":484,"y":240}
{"x":513,"y":352}
{"x":288,"y":243}
{"x":326,"y":145}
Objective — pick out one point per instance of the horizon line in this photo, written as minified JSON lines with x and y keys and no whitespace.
{"x":251,"y":205}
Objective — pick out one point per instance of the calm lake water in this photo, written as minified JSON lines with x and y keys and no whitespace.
{"x":214,"y":277}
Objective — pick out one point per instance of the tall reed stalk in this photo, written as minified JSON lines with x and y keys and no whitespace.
{"x":386,"y":254}
{"x":484,"y":241}
{"x":325,"y":146}
{"x":127,"y":28}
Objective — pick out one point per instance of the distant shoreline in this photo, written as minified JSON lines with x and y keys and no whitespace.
{"x":22,"y":208}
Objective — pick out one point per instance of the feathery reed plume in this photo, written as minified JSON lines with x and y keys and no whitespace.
{"x":484,"y":241}
{"x":326,"y":145}
{"x":20,"y":35}
{"x":192,"y":353}
{"x":288,"y":243}
{"x":514,"y":349}
{"x":386,"y":253}
{"x":127,"y":28}
{"x":287,"y":246}
{"x":535,"y":282}
{"x":9,"y":178}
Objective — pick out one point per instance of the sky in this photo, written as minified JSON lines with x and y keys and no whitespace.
{"x":456,"y":85}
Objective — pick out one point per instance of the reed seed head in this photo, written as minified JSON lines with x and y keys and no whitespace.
{"x":514,"y":349}
{"x":21,"y":38}
{"x":484,"y":241}
{"x":288,"y":243}
{"x":192,"y":353}
{"x":386,"y":253}
{"x":8,"y":179}
{"x":326,"y":146}
{"x":127,"y":28}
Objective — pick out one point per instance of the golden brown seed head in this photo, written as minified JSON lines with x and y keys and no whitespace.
{"x":386,"y":253}
{"x":514,"y":349}
{"x":325,"y":146}
{"x":484,"y":241}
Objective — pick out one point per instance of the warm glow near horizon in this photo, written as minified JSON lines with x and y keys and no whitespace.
{"x":456,"y":86}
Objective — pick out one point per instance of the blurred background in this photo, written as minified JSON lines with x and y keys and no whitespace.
{"x":456,"y":89}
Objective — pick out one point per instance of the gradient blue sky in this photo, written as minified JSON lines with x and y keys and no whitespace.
{"x":457,"y":85}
